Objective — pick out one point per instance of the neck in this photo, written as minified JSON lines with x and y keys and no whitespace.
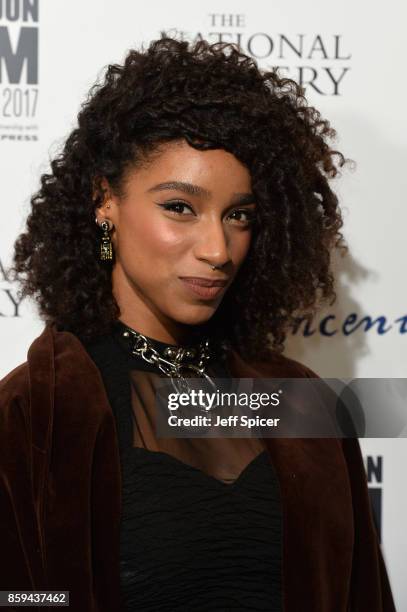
{"x":165,"y":334}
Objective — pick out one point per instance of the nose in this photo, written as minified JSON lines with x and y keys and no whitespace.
{"x":212,"y":245}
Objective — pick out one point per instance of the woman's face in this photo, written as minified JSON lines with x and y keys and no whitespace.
{"x":182,"y":213}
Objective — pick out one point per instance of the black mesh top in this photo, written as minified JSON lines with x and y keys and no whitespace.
{"x":201,"y":525}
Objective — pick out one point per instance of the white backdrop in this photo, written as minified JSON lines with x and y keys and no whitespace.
{"x":349,"y":57}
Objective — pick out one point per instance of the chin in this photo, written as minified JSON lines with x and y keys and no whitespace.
{"x":195,"y":315}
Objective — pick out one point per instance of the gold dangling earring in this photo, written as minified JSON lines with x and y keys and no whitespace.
{"x":106,"y":251}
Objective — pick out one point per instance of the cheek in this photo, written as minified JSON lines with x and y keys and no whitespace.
{"x":239,"y":246}
{"x":149,"y":242}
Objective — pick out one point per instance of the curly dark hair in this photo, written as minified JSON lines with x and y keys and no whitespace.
{"x":213,"y":96}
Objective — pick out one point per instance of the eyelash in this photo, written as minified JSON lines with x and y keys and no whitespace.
{"x":171,"y":205}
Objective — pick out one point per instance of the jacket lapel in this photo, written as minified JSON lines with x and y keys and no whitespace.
{"x":42,"y":385}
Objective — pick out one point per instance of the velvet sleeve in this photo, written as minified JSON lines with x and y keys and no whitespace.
{"x":368,"y":559}
{"x":20,"y":557}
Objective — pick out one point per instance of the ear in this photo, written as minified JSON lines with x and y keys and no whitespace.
{"x":101,"y":190}
{"x":102,"y":195}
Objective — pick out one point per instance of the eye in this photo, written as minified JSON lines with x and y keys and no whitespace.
{"x":244,"y":216}
{"x":177,"y":207}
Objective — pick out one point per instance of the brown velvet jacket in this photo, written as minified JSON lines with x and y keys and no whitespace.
{"x":60,"y":492}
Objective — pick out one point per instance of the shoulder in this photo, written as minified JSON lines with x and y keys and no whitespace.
{"x":18,"y":381}
{"x":291,"y":366}
{"x":54,"y":359}
{"x":58,"y":377}
{"x":276,"y":365}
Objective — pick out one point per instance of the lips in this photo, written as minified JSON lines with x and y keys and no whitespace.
{"x":205,"y":282}
{"x":207,"y":288}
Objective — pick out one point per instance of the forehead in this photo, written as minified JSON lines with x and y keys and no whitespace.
{"x":178,"y":161}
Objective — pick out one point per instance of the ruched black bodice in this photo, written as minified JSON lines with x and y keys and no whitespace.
{"x":189,"y":541}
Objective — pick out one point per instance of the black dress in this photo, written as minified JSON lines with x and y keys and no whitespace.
{"x":189,"y":540}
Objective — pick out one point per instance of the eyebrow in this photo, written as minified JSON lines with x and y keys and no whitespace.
{"x":191,"y":189}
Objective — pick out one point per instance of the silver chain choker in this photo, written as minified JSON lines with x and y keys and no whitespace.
{"x":174,"y":362}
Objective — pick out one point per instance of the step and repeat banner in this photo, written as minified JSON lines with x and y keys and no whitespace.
{"x":350,"y":58}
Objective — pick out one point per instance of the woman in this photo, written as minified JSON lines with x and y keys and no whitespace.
{"x":187,"y":220}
